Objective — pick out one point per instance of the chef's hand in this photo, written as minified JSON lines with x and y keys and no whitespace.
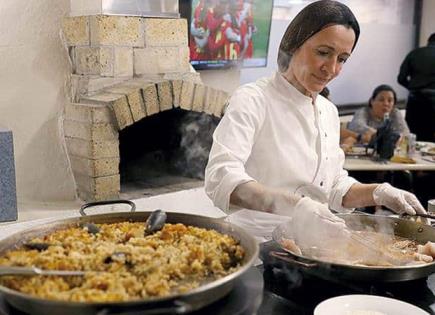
{"x":398,"y":200}
{"x":313,"y":223}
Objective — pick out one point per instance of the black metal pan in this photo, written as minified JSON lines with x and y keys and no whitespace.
{"x":407,"y":229}
{"x":175,"y":304}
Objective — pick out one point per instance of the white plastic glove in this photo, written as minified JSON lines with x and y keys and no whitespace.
{"x":313,"y":224}
{"x":397,"y":200}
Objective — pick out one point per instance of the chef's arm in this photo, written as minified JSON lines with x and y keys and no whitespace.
{"x":304,"y":211}
{"x":255,"y":196}
{"x":359,"y":195}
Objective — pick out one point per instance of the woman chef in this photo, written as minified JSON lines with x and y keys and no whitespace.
{"x":276,"y":149}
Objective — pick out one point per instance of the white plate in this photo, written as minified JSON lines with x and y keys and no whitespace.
{"x":359,"y":151}
{"x":428,"y":150}
{"x":425,"y":146}
{"x":425,"y":143}
{"x":429,"y":158}
{"x":366,"y":305}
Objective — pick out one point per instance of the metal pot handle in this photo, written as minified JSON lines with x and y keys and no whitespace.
{"x":427,"y":215}
{"x":106,"y":202}
{"x":285,"y":257}
{"x":174,"y":307}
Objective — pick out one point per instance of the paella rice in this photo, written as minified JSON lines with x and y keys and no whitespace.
{"x":123,"y":263}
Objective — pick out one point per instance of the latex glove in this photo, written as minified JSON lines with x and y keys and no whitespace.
{"x":313,"y":224}
{"x":397,"y":200}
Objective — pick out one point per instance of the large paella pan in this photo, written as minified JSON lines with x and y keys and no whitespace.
{"x":188,"y":293}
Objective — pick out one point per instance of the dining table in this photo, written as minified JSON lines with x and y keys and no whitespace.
{"x":423,"y":160}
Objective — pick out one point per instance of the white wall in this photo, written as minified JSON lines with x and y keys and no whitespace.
{"x":277,"y":29}
{"x":376,"y":60}
{"x":227,"y":80}
{"x":428,"y":21}
{"x":33,"y":69}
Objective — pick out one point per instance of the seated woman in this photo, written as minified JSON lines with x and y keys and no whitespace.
{"x":381,"y":105}
{"x":369,"y":119}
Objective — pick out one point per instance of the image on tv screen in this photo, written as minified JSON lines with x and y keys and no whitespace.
{"x":225,"y":33}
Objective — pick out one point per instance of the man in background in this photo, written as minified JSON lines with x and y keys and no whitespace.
{"x":417,"y":74}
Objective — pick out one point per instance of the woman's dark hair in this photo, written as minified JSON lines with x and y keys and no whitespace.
{"x":312,"y":19}
{"x":431,"y":39}
{"x":382,"y":88}
{"x":325,"y":92}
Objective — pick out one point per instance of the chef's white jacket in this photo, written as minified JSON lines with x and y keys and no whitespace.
{"x":273,"y":134}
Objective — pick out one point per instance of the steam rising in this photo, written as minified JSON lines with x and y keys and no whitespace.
{"x":196,"y":130}
{"x":164,"y":149}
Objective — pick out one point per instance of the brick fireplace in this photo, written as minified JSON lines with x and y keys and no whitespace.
{"x":126,"y":71}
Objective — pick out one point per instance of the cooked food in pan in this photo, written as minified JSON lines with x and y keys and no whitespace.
{"x":124,"y":262}
{"x":382,"y":250}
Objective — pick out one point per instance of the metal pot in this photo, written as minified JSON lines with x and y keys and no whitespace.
{"x":175,"y":304}
{"x":404,"y":228}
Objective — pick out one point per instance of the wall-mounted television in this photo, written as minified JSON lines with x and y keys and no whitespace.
{"x":227,"y":33}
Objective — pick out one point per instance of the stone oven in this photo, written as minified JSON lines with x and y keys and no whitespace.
{"x":134,"y":97}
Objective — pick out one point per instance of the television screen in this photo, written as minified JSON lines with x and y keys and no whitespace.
{"x":225,"y":33}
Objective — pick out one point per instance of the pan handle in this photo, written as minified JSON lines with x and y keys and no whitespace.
{"x":426,"y":215}
{"x":174,"y":307}
{"x":106,"y":202}
{"x":286,"y":257}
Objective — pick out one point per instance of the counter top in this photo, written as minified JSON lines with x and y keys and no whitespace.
{"x":364,"y":163}
{"x":193,"y":201}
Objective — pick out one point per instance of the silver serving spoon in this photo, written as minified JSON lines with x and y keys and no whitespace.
{"x":155,"y":221}
{"x":32,"y":271}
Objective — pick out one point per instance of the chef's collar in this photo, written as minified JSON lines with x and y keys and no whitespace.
{"x":288,"y":91}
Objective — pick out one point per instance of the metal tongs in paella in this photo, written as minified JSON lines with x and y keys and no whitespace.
{"x":35,"y":271}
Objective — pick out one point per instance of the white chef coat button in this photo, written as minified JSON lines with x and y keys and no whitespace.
{"x":321,"y":183}
{"x":326,"y":158}
{"x":326,"y":134}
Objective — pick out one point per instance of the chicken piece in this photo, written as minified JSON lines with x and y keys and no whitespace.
{"x":423,"y":258}
{"x":290,"y":245}
{"x":427,"y":249}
